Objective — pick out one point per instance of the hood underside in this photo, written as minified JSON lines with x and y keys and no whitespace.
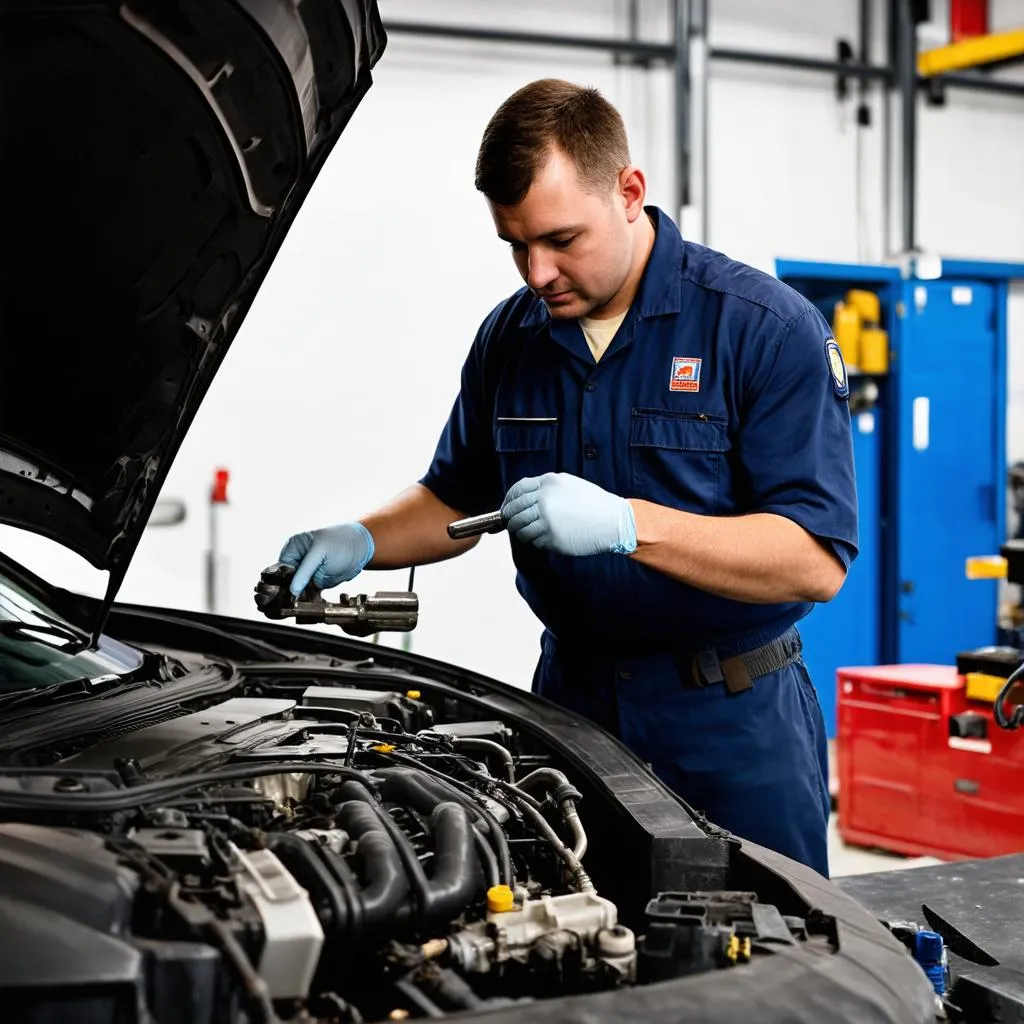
{"x":154,"y":156}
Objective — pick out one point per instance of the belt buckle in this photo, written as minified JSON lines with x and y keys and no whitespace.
{"x":709,"y":668}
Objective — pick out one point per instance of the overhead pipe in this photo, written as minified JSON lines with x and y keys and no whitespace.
{"x":906,"y":63}
{"x":663,"y":52}
{"x":650,"y":53}
{"x":699,"y":149}
{"x":681,"y":68}
{"x":851,"y":69}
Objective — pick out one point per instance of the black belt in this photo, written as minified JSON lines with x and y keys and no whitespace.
{"x":739,"y":671}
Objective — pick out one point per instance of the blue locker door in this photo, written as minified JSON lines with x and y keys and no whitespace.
{"x":846,"y":631}
{"x":949,"y":472}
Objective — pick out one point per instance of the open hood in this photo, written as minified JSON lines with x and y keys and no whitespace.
{"x":154,"y":156}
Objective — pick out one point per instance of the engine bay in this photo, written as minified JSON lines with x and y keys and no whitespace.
{"x":322,"y":846}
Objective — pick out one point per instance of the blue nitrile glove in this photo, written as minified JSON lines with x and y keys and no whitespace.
{"x":328,"y":557}
{"x":572,"y":516}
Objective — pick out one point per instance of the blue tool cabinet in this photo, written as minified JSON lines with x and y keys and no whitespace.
{"x":930,"y":452}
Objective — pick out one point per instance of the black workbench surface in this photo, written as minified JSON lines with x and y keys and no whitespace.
{"x":978,"y":908}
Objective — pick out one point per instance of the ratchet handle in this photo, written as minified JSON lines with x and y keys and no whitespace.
{"x":474,"y":526}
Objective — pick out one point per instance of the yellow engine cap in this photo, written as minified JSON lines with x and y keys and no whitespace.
{"x":413,"y":694}
{"x":500,"y":899}
{"x":384,"y":748}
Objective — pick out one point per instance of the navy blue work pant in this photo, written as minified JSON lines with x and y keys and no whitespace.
{"x":754,"y":763}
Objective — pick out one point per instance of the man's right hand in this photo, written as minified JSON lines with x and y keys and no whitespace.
{"x":327,"y":557}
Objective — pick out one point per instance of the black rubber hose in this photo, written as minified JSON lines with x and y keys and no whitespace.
{"x":413,"y":868}
{"x":456,"y":878}
{"x":487,"y":858}
{"x":387,"y":885}
{"x":339,"y":869}
{"x":421,"y":791}
{"x":500,"y":841}
{"x":470,"y":743}
{"x":300,"y":859}
{"x":424,"y":793}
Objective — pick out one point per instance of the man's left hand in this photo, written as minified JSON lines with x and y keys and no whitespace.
{"x":571,"y":516}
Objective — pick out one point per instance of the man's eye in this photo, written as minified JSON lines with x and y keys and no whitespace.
{"x":563,"y":243}
{"x":517,"y":246}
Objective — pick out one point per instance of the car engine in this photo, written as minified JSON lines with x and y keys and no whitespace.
{"x":315,"y":849}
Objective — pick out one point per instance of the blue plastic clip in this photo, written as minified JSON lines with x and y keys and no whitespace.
{"x":930,"y":953}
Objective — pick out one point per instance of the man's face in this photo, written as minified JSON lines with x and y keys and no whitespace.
{"x":573,"y":248}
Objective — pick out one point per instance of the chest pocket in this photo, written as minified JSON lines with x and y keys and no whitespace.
{"x":678,"y":459}
{"x":525,"y":447}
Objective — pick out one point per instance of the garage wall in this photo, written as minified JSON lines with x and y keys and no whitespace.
{"x":340,"y":380}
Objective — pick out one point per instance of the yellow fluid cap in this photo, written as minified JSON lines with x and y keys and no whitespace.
{"x":866,"y":303}
{"x":384,"y":748}
{"x":500,"y":899}
{"x":413,"y":694}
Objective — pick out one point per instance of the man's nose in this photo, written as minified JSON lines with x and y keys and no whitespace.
{"x":541,"y":270}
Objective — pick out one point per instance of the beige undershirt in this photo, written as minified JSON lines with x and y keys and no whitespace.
{"x":599,"y":333}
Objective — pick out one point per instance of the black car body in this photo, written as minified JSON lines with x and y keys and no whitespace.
{"x":209,"y":820}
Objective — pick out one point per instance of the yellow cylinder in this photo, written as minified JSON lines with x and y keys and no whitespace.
{"x":867,"y":304}
{"x":846,"y":328}
{"x":874,"y":350}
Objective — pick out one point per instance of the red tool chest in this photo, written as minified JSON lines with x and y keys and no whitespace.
{"x":922,"y":769}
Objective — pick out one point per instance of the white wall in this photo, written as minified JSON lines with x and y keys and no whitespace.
{"x":333,"y":394}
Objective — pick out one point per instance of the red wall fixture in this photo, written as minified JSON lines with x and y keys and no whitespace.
{"x":967,"y":19}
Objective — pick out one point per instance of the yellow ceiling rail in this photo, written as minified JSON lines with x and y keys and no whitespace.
{"x":971,"y":53}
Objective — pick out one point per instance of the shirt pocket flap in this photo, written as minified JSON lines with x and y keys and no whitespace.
{"x":684,"y":432}
{"x":525,"y":437}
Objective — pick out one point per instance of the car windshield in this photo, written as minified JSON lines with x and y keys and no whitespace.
{"x":39,"y":648}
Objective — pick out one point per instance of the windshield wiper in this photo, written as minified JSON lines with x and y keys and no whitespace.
{"x":76,"y":640}
{"x":86,"y":686}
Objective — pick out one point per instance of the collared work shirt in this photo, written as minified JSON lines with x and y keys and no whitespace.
{"x":717,"y":396}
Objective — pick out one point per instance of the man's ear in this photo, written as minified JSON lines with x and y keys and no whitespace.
{"x":633,"y":191}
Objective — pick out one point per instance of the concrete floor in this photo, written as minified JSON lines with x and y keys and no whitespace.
{"x":855,"y":860}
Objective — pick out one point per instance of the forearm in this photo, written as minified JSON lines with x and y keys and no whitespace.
{"x":759,"y":558}
{"x":412,"y":530}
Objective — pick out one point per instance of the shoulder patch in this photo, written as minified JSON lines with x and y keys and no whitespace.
{"x":837,"y":369}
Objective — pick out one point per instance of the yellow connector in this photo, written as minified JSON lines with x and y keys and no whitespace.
{"x":986,"y":567}
{"x":384,"y":748}
{"x":971,"y":53}
{"x":983,"y":687}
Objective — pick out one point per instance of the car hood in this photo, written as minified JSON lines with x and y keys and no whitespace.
{"x":155,"y":155}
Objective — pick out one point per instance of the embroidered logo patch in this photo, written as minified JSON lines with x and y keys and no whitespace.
{"x":837,"y":367}
{"x":685,"y":374}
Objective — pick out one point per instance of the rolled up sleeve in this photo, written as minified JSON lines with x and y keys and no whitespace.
{"x":796,"y":443}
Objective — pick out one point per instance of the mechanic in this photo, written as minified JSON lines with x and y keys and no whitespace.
{"x":668,"y":435}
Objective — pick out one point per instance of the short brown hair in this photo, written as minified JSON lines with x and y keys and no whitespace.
{"x":542,"y":115}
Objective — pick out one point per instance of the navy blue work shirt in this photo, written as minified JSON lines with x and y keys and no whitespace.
{"x":718,"y":395}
